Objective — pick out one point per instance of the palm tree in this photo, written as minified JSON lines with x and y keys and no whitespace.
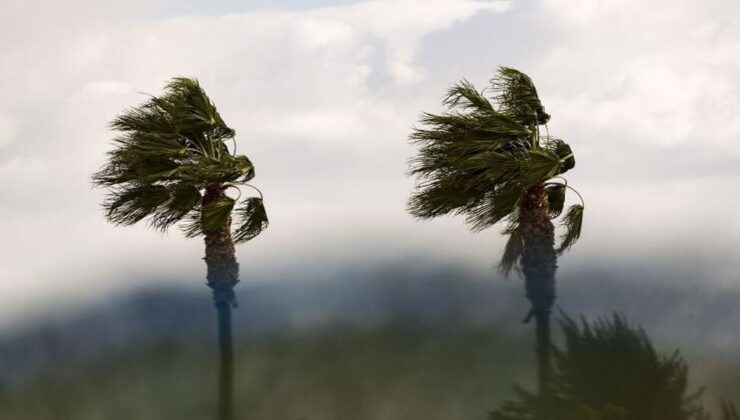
{"x":609,"y":369}
{"x":487,"y":159}
{"x":172,"y":165}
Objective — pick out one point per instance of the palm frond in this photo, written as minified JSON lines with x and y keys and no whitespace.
{"x":216,"y":213}
{"x":539,"y":166}
{"x":192,"y":223}
{"x":479,"y":158}
{"x":729,"y":411}
{"x":573,"y":221}
{"x":443,"y":196}
{"x":457,"y":126}
{"x":563,"y":150}
{"x":192,"y":110}
{"x":253,"y":219}
{"x":168,"y":149}
{"x":127,"y":206}
{"x":516,"y":96}
{"x":465,"y":95}
{"x":513,"y":249}
{"x":495,"y":207}
{"x":211,"y":171}
{"x":555,"y":199}
{"x":183,"y":199}
{"x":184,"y":111}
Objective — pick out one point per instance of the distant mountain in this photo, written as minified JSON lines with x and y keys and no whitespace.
{"x":444,"y":298}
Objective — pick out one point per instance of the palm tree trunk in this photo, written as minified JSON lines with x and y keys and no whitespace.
{"x":539,"y":262}
{"x":222,"y":275}
{"x":226,"y":367}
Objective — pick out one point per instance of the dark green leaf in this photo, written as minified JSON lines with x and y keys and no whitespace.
{"x":215,"y":214}
{"x":517,"y":96}
{"x":495,"y":207}
{"x":563,"y":151}
{"x":183,"y":199}
{"x":192,"y":225}
{"x":513,"y":249}
{"x":130,"y":205}
{"x":555,"y":199}
{"x":479,"y":157}
{"x":466,"y":96}
{"x":253,"y":219}
{"x":573,"y":221}
{"x":540,"y":165}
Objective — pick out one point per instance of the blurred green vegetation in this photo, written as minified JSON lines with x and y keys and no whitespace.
{"x":398,"y":373}
{"x":390,"y":373}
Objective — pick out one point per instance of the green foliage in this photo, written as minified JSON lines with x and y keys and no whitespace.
{"x":516,"y":94}
{"x":253,"y":219}
{"x":480,"y":157}
{"x":130,"y":205}
{"x":609,"y":370}
{"x":465,"y":96}
{"x":170,"y":149}
{"x":321,"y":374}
{"x":216,"y":213}
{"x":513,"y":249}
{"x":573,"y":221}
{"x":611,"y":361}
{"x":729,"y":411}
{"x":555,"y":199}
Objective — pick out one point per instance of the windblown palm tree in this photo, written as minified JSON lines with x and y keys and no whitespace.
{"x":172,"y":165}
{"x":609,"y":370}
{"x":487,"y":159}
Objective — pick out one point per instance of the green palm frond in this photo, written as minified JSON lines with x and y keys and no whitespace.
{"x":442,"y":196}
{"x":513,"y":249}
{"x":480,"y":157}
{"x":127,"y":206}
{"x":555,"y":199}
{"x":184,"y":109}
{"x":168,"y":150}
{"x":466,"y":96}
{"x":539,"y":166}
{"x":183,"y":199}
{"x":573,"y":221}
{"x":253,"y":219}
{"x":207,"y":171}
{"x":562,"y":150}
{"x":609,"y":369}
{"x":191,"y":225}
{"x":216,"y":213}
{"x":471,"y":125}
{"x":517,"y":96}
{"x":495,"y":207}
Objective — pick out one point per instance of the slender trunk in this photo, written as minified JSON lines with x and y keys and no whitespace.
{"x":539,"y":262}
{"x":226,"y":368}
{"x":222,"y":275}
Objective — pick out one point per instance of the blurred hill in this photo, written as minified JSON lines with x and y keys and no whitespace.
{"x":384,"y":343}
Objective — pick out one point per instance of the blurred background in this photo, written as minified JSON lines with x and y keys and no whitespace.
{"x":349,"y":308}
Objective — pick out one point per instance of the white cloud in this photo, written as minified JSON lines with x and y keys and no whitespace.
{"x":667,"y":75}
{"x":8,"y":129}
{"x":320,"y":100}
{"x":106,"y":87}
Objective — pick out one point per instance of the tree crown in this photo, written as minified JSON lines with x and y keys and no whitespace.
{"x":481,"y":156}
{"x":168,"y":151}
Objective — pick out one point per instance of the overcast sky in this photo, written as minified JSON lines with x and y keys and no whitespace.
{"x":322,"y":95}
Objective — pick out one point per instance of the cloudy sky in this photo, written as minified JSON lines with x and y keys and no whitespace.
{"x":323,"y":93}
